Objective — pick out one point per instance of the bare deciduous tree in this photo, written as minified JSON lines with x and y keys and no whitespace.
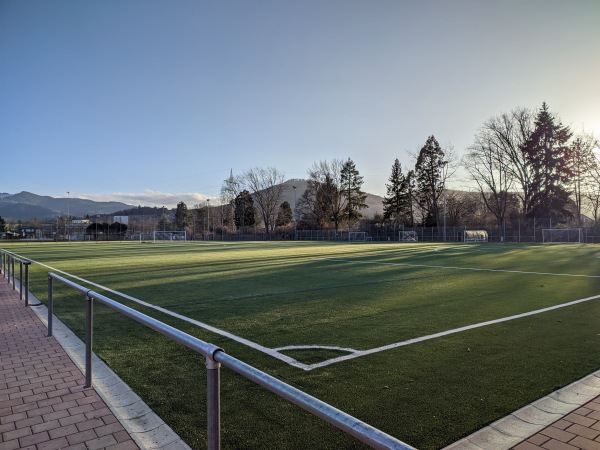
{"x":324,"y":194}
{"x":586,"y":172}
{"x":266,"y":186}
{"x":497,"y":164}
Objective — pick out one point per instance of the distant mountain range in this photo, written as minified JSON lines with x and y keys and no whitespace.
{"x":28,"y":206}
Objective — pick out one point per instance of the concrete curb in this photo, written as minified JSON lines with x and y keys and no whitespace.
{"x":145,"y":427}
{"x":527,"y":421}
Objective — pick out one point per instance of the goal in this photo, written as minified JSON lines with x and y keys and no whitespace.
{"x":408,"y":236}
{"x":170,"y":236}
{"x":562,"y":235}
{"x":475,"y":236}
{"x":357,"y":236}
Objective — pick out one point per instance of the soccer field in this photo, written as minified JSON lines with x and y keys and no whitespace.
{"x":427,"y":342}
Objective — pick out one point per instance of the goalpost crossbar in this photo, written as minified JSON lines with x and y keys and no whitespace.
{"x":170,"y":236}
{"x":561,"y":235}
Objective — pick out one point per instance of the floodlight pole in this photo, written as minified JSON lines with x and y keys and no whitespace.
{"x":68,"y":216}
{"x":445,"y":173}
{"x":294,"y":215}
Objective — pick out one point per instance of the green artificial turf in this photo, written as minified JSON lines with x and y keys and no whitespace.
{"x":359,"y":296}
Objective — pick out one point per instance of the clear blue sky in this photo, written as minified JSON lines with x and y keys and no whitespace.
{"x":136,"y":99}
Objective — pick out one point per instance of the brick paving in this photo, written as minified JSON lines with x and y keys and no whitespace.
{"x":577,"y":430}
{"x":43,"y":405}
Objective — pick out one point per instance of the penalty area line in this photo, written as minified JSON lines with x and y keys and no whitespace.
{"x":359,"y":353}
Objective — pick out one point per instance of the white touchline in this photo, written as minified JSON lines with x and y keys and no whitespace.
{"x":206,"y":326}
{"x":474,"y":269}
{"x":353,"y":353}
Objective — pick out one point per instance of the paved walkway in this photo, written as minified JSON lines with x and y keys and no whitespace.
{"x":43,"y":405}
{"x":577,"y":430}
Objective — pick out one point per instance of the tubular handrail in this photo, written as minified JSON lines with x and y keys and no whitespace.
{"x":215,"y":357}
{"x":7,"y":268}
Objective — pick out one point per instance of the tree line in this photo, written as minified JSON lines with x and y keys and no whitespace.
{"x":523,"y":163}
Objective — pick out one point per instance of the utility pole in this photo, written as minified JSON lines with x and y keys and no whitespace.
{"x":208,"y":216}
{"x":294,"y":215}
{"x":68,"y":216}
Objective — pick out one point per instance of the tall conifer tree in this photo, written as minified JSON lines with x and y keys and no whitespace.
{"x":397,"y":204}
{"x":548,"y":153}
{"x":429,"y":173}
{"x":351,"y":189}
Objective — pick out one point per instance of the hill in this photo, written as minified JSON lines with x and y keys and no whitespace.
{"x":375,"y":202}
{"x":27,"y":206}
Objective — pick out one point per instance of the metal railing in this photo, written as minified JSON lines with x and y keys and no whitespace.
{"x":7,"y":268}
{"x":214,"y":358}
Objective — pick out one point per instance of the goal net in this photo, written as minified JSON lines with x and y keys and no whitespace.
{"x":408,"y":236}
{"x":562,"y":235}
{"x":357,"y":236}
{"x":475,"y":236}
{"x":170,"y":236}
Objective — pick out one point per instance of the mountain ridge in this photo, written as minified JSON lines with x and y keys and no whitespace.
{"x":28,"y":206}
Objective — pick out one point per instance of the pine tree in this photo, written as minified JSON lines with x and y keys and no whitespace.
{"x":548,"y":154}
{"x":244,"y":210}
{"x":350,"y":186}
{"x":397,"y":204}
{"x":429,"y":173}
{"x":181,"y":216}
{"x":285,"y":215}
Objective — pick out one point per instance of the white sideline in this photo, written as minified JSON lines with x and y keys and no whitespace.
{"x":474,"y":269}
{"x":353,"y":353}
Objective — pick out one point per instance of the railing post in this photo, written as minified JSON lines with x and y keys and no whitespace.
{"x":20,"y":279}
{"x":12,"y":270}
{"x":213,"y":401}
{"x":50,"y":306}
{"x":26,"y":282}
{"x":89,"y":336}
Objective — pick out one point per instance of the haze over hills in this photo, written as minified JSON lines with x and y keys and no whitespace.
{"x":27,"y":206}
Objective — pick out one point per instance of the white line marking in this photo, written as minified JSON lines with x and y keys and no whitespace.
{"x":474,"y":269}
{"x":275,"y":353}
{"x":241,"y":340}
{"x":360,"y":353}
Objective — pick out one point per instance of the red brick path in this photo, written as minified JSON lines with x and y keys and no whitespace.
{"x":43,"y":405}
{"x":578,"y":430}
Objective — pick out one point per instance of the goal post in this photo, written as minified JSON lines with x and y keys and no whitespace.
{"x":475,"y":236}
{"x":357,"y":236}
{"x":408,"y":236}
{"x":562,"y":235}
{"x":180,"y":236}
